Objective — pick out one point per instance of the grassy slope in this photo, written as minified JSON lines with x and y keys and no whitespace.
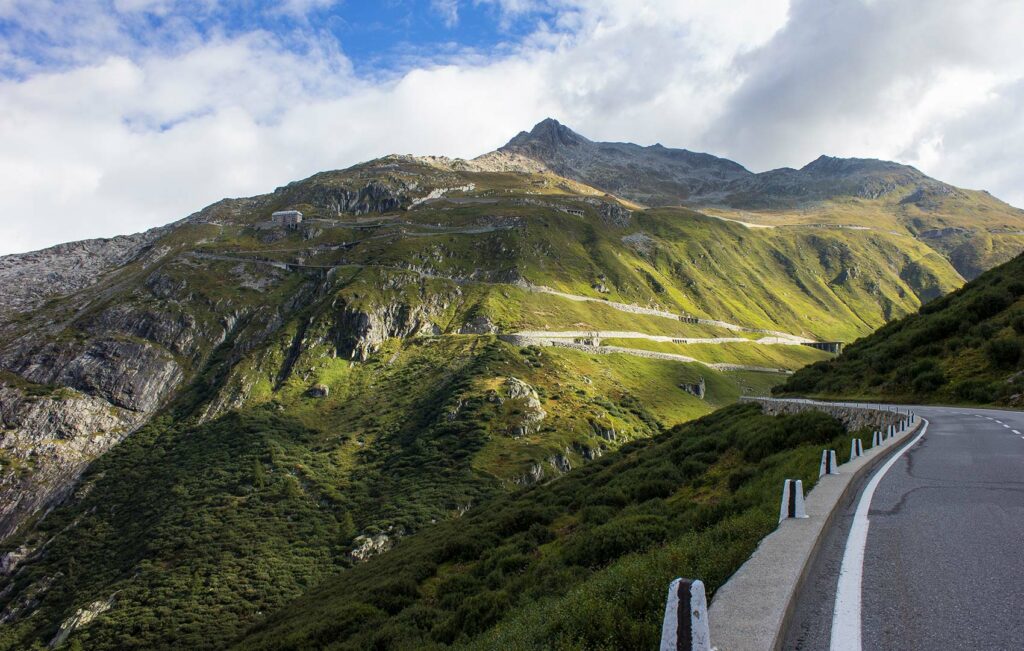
{"x":992,"y":232}
{"x":965,"y":347}
{"x":579,"y":563}
{"x":784,"y":357}
{"x":832,"y":284}
{"x":198,"y":528}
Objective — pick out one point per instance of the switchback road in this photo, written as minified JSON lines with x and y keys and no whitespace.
{"x":940,"y":566}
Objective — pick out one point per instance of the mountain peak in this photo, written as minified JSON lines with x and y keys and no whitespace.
{"x":549,"y":133}
{"x":835,"y":166}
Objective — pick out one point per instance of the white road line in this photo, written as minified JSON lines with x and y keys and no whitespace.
{"x":846,"y":615}
{"x":1016,"y":432}
{"x":1005,"y":425}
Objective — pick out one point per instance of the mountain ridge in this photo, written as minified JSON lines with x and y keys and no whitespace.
{"x":279,"y":403}
{"x":713,"y":175}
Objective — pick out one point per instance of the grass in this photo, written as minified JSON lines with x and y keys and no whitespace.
{"x":579,"y":563}
{"x":988,"y":230}
{"x":246,"y":492}
{"x":967,"y":347}
{"x":749,"y":354}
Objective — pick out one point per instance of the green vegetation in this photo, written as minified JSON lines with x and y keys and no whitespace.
{"x":194,"y":530}
{"x":578,"y":563}
{"x":970,"y":228}
{"x":332,"y":395}
{"x":967,"y":347}
{"x":789,"y":358}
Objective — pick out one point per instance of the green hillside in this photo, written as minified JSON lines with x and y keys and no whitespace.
{"x":967,"y":347}
{"x":579,"y":563}
{"x":243,"y":411}
{"x":191,"y":535}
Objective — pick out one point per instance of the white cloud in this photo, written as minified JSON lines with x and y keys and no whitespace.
{"x":448,"y":10}
{"x":303,"y":7}
{"x":117,"y":138}
{"x":875,"y":78}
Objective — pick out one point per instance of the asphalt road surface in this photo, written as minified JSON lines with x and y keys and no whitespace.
{"x":943,"y":557}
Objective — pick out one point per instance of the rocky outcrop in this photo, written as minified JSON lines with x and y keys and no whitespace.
{"x":318,"y":391}
{"x":130,"y":374}
{"x":532,"y":476}
{"x":604,"y":430}
{"x":82,"y":618}
{"x":479,"y":325}
{"x":358,"y":332}
{"x":531,"y":413}
{"x":76,"y":390}
{"x":27,"y":280}
{"x":366,"y":547}
{"x":10,"y":561}
{"x":46,"y":443}
{"x":613,"y":214}
{"x":697,"y":389}
{"x":587,"y":452}
{"x":373,"y":197}
{"x":560,"y":462}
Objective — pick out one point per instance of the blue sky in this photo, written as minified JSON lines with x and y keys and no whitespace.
{"x":121,"y":115}
{"x":378,"y":38}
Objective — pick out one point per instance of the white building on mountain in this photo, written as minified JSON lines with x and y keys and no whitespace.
{"x":286,"y":217}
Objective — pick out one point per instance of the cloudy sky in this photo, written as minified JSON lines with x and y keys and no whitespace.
{"x":119,"y":115}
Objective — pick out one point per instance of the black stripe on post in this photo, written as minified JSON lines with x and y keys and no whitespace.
{"x":791,"y":507}
{"x":684,"y":626}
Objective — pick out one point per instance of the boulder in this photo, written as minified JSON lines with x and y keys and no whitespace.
{"x":319,"y":391}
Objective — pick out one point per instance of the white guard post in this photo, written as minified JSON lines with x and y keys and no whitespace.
{"x":686,"y":617}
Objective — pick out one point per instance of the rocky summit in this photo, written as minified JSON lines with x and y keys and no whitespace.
{"x":393,"y":391}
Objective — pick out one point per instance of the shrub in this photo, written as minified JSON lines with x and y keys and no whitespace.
{"x":622,"y":536}
{"x":929,"y":380}
{"x":1005,"y":352}
{"x":651,"y":489}
{"x":1017,"y":321}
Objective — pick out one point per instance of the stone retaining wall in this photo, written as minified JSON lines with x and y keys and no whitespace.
{"x":854,"y":418}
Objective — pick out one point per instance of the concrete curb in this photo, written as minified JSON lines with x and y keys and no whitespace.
{"x":751,"y":611}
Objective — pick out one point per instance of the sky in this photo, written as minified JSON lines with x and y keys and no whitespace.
{"x":120,"y":115}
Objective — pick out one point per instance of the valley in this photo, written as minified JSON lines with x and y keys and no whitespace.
{"x":213,"y":419}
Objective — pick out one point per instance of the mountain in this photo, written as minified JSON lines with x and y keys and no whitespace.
{"x":202,"y":422}
{"x":655,"y":176}
{"x":966,"y":347}
{"x":974,"y":230}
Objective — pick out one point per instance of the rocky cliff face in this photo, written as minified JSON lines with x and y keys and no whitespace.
{"x":72,"y":386}
{"x":27,"y":280}
{"x":66,"y":401}
{"x":358,"y":332}
{"x":46,"y":443}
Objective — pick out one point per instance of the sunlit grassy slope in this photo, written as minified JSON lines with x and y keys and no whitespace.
{"x":347,"y":380}
{"x":965,"y":347}
{"x":972,"y":229}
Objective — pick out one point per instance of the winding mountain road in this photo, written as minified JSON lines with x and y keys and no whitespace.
{"x":773,"y":336}
{"x":928,"y":556}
